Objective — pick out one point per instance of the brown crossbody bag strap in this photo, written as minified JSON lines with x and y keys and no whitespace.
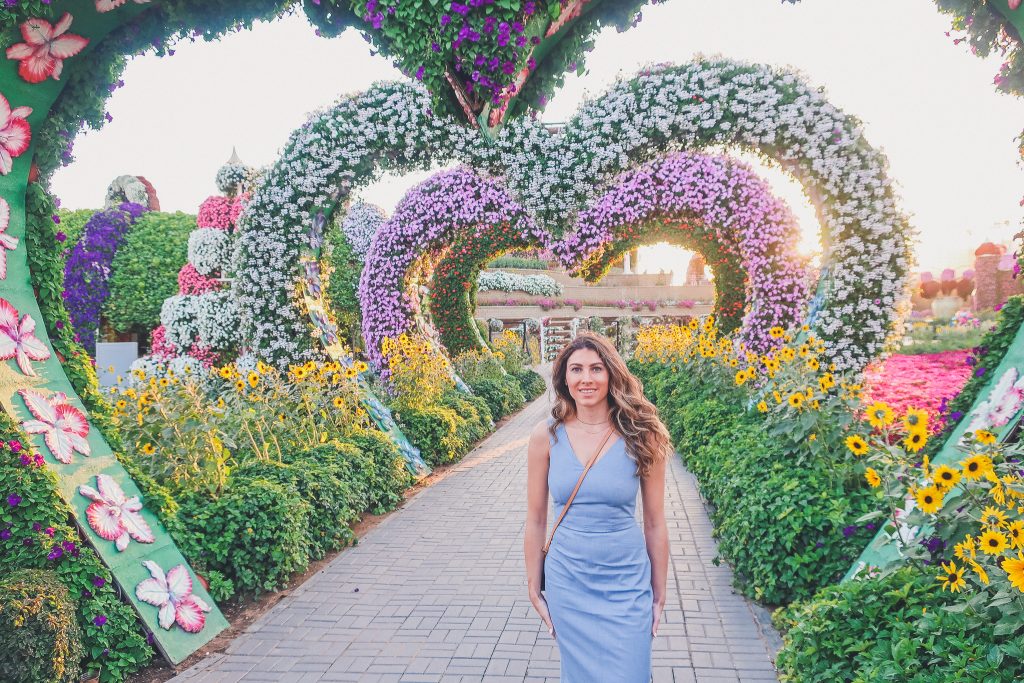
{"x":586,"y":469}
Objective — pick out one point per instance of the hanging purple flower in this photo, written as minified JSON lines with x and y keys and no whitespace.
{"x":14,"y":500}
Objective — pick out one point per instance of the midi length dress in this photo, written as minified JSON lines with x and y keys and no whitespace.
{"x":597,"y":571}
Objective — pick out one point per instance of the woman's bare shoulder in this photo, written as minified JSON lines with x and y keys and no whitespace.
{"x":540,"y":437}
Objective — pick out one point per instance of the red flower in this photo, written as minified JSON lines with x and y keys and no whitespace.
{"x":45,"y":48}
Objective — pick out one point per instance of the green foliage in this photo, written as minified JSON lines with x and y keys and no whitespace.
{"x":927,"y":338}
{"x":40,"y":641}
{"x":29,"y":534}
{"x":343,"y":284}
{"x":518,"y":262}
{"x":254,"y":534}
{"x":145,"y":270}
{"x":435,"y":431}
{"x":72,"y":223}
{"x":779,"y":525}
{"x":473,"y":411}
{"x":532,"y":384}
{"x":893,"y":628}
{"x":504,"y":395}
{"x":330,"y":500}
{"x":388,"y":478}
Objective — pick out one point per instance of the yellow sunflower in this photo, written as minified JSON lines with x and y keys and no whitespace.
{"x":880,"y":415}
{"x":1014,"y":568}
{"x":826,"y":382}
{"x":979,"y":570}
{"x":361,"y":366}
{"x":164,"y":381}
{"x":350,"y":372}
{"x":857,"y":445}
{"x":1015,"y":530}
{"x":796,"y":399}
{"x":254,"y":379}
{"x":741,"y":378}
{"x":148,"y":449}
{"x":915,"y":441}
{"x":945,"y":477}
{"x":929,"y":499}
{"x":226,"y":372}
{"x":916,"y":420}
{"x":976,"y":466}
{"x":240,"y":385}
{"x":983,"y":436}
{"x":776,"y":332}
{"x":993,"y":543}
{"x":952,"y":577}
{"x":813,"y":364}
{"x":965,"y":549}
{"x":993,"y":518}
{"x":777,"y":396}
{"x":874,"y":481}
{"x":338,"y":402}
{"x":122,"y":404}
{"x":762,"y":407}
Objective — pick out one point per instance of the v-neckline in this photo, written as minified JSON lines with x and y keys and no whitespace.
{"x":572,"y":449}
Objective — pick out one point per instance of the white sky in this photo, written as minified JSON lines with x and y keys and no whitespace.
{"x":930,"y":105}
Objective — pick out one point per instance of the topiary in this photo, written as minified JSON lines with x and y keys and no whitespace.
{"x":254,"y":533}
{"x":40,"y":641}
{"x":145,"y":271}
{"x":330,"y":499}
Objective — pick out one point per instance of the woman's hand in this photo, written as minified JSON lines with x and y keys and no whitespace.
{"x":541,"y":605}
{"x":659,"y":607}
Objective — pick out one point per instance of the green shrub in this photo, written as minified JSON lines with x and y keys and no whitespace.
{"x":254,"y":533}
{"x":435,"y":431}
{"x":145,"y":270}
{"x":532,"y":384}
{"x":518,"y":262}
{"x":503,"y":395}
{"x":40,"y":641}
{"x":343,"y":284}
{"x":892,"y":628}
{"x":36,"y":528}
{"x":474,"y":412}
{"x":387,"y":477}
{"x":781,"y":527}
{"x":330,"y":499}
{"x":72,"y":224}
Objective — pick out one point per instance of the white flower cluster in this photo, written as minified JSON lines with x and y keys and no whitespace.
{"x":231,"y":177}
{"x":216,"y":319}
{"x":500,"y":281}
{"x":178,"y":367}
{"x":555,"y":174}
{"x":209,"y":250}
{"x":178,"y":316}
{"x":360,"y":224}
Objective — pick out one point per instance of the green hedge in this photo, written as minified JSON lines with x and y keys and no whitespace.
{"x":40,"y":641}
{"x":435,"y":431}
{"x":890,"y":629}
{"x":145,"y":271}
{"x":532,"y":384}
{"x":781,"y":527}
{"x":504,"y":395}
{"x":72,"y":224}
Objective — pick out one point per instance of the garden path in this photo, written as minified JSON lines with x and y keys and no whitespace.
{"x":437,"y":593}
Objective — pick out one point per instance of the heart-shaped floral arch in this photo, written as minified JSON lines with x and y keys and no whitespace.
{"x":711,"y":204}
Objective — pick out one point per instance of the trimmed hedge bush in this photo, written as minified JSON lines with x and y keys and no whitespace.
{"x":532,"y":384}
{"x":785,"y":530}
{"x":435,"y":431}
{"x":145,"y":271}
{"x":40,"y":641}
{"x":504,"y":395}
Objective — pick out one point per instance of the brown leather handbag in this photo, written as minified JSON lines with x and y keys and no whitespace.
{"x":565,"y":508}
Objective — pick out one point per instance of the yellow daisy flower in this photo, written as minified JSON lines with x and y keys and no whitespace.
{"x":148,"y":449}
{"x":776,"y":332}
{"x":915,"y":441}
{"x":945,"y":477}
{"x":983,"y":436}
{"x":929,"y":499}
{"x":880,"y":415}
{"x":254,"y":379}
{"x":857,"y":445}
{"x":338,"y":402}
{"x":952,"y":577}
{"x":993,"y":543}
{"x":762,"y":407}
{"x":796,"y":399}
{"x":1014,"y":568}
{"x":874,"y":481}
{"x":993,"y":518}
{"x":976,"y":466}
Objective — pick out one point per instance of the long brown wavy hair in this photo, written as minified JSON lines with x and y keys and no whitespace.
{"x":635,"y":418}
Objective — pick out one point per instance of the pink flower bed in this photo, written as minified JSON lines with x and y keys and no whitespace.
{"x":925,"y":381}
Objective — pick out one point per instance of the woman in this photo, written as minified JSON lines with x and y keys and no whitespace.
{"x":604,"y":578}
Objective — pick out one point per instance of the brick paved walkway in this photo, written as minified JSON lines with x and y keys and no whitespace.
{"x":437,"y":593}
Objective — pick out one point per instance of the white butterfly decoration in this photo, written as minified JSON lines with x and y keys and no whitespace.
{"x":113,"y":516}
{"x":172,"y":593}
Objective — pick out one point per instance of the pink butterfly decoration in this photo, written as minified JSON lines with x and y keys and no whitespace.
{"x":18,"y":339}
{"x":7,"y":242}
{"x":46,"y":47}
{"x":63,"y":426}
{"x":173,"y":595}
{"x":113,"y":516}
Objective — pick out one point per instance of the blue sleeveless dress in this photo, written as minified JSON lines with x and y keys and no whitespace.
{"x":597,"y":571}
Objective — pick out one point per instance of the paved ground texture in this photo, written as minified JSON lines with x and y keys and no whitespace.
{"x":437,"y":593}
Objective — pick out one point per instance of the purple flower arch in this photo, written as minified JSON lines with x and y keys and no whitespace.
{"x":448,"y":207}
{"x":88,"y":268}
{"x":723,"y":197}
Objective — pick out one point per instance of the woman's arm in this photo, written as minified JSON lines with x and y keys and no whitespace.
{"x":656,"y":534}
{"x":537,"y":456}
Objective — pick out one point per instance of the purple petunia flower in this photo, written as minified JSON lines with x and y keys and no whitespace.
{"x":55,"y":553}
{"x":13,"y":500}
{"x":5,"y":534}
{"x":99,"y":620}
{"x":99,"y":581}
